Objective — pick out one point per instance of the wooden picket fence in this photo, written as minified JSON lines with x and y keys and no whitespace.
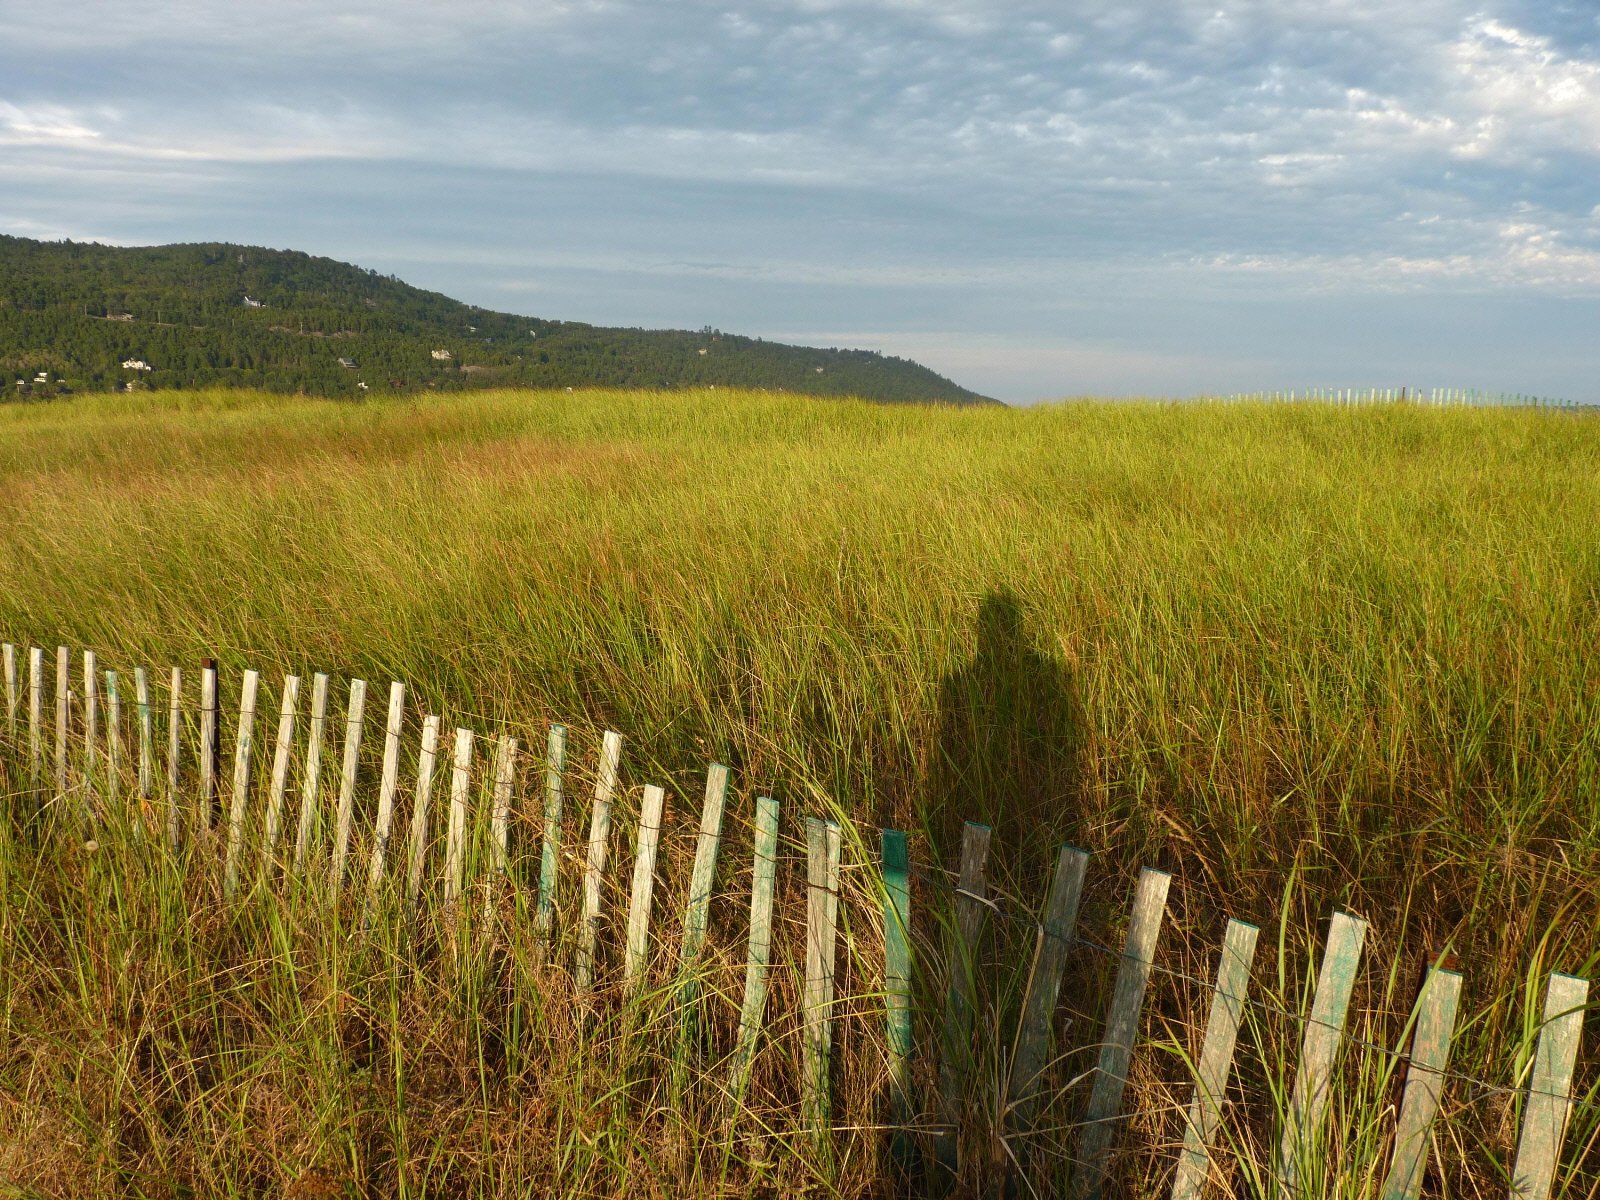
{"x":106,"y":763}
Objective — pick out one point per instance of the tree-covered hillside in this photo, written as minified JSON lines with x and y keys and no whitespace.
{"x":72,"y":314}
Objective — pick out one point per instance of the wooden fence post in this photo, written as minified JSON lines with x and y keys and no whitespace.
{"x":174,"y":742}
{"x":241,"y":781}
{"x":599,"y":832}
{"x":419,"y":811}
{"x":456,"y":836}
{"x":63,"y":686}
{"x":11,"y":692}
{"x":141,"y":696}
{"x":1116,"y":1045}
{"x":697,"y":911}
{"x":644,"y":878}
{"x":823,"y":842}
{"x":1319,"y":1046}
{"x":961,"y":1001}
{"x":347,"y":781}
{"x":1430,"y":1053}
{"x":388,"y":785}
{"x":35,"y":717}
{"x":311,"y":772}
{"x":1544,"y":1113}
{"x":763,"y":879}
{"x":113,"y":742}
{"x":91,"y":728}
{"x":896,"y":857}
{"x":505,"y":772}
{"x":282,"y":749}
{"x":1052,"y":940}
{"x":555,"y":764}
{"x":1215,"y":1062}
{"x":210,"y":732}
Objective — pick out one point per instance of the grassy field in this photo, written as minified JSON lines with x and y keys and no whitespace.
{"x":1302,"y":657}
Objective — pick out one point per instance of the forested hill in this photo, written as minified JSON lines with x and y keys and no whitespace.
{"x":72,"y":314}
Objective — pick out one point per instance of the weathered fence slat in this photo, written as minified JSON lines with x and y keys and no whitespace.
{"x":456,"y":835}
{"x":823,"y":843}
{"x":1051,"y":943}
{"x":555,"y":765}
{"x":11,"y":691}
{"x":644,"y":878}
{"x":311,"y":772}
{"x":35,"y":717}
{"x":354,"y":714}
{"x":63,"y":686}
{"x":1319,"y":1045}
{"x":388,"y":785}
{"x":113,"y":741}
{"x":174,"y":745}
{"x":697,"y":910}
{"x":241,"y":780}
{"x":91,"y":728}
{"x":1544,"y":1113}
{"x":896,"y":855}
{"x":1430,"y":1054}
{"x":505,"y":770}
{"x":209,"y":733}
{"x":147,"y":751}
{"x":1215,"y":1063}
{"x":1122,"y":1024}
{"x":282,"y":750}
{"x":419,"y":812}
{"x":763,"y":879}
{"x":594,"y":873}
{"x":961,"y":1000}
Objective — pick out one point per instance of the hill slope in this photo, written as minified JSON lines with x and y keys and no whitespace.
{"x":217,"y":314}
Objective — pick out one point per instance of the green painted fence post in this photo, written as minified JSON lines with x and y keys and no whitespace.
{"x":762,"y":882}
{"x":1430,"y":1053}
{"x":555,"y":765}
{"x":961,"y":1000}
{"x":1544,"y":1115}
{"x":897,"y":986}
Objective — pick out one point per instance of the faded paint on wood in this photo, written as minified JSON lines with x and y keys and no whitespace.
{"x":697,"y":912}
{"x":961,"y":998}
{"x":388,"y":786}
{"x":11,"y":692}
{"x":91,"y":727}
{"x":456,"y":835}
{"x":555,"y":765}
{"x":1549,"y":1101}
{"x":311,"y":772}
{"x":174,"y":745}
{"x":419,"y":810}
{"x":147,"y":749}
{"x":63,"y":686}
{"x":896,"y":859}
{"x":1215,"y":1063}
{"x":505,"y":770}
{"x":209,"y":733}
{"x":1433,"y":1024}
{"x":35,"y":717}
{"x":644,"y":879}
{"x":763,"y":880}
{"x":354,"y":713}
{"x":282,"y":751}
{"x":1052,"y":940}
{"x":594,"y":873}
{"x":1319,"y":1045}
{"x":241,"y":780}
{"x":823,"y":842}
{"x":113,"y":743}
{"x":1122,"y":1026}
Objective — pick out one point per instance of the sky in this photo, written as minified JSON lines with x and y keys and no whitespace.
{"x":1036,"y":199}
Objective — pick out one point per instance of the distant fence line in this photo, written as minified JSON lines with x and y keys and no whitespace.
{"x":107,"y":763}
{"x":1423,"y":397}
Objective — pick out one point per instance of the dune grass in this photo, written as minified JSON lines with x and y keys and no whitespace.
{"x":1301,"y":657}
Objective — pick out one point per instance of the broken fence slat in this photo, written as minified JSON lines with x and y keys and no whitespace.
{"x":961,"y":1000}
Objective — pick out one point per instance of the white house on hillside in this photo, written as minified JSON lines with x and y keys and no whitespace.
{"x":442,"y":355}
{"x":136,"y":364}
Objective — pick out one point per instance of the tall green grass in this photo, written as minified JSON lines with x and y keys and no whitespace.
{"x":1354,"y":649}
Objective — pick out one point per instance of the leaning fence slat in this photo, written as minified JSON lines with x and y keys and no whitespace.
{"x":456,"y":836}
{"x":896,"y":857}
{"x":91,"y":727}
{"x":505,"y":770}
{"x":595,"y":869}
{"x":35,"y":717}
{"x":241,"y":780}
{"x":697,"y":911}
{"x":419,"y":811}
{"x":174,"y":744}
{"x":644,"y":878}
{"x":209,"y":733}
{"x":1430,"y":1055}
{"x":311,"y":772}
{"x":961,"y":1000}
{"x":555,"y":765}
{"x":147,"y":751}
{"x":388,"y":785}
{"x":823,"y":842}
{"x":1052,"y":939}
{"x":113,"y":741}
{"x":1319,"y":1045}
{"x":1116,"y":1044}
{"x":1215,"y":1063}
{"x":282,"y":749}
{"x":764,"y":876}
{"x":11,"y":692}
{"x":1544,"y":1113}
{"x":63,"y":686}
{"x":347,"y":781}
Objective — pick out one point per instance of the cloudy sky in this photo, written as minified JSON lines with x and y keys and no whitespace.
{"x":1038,"y":199}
